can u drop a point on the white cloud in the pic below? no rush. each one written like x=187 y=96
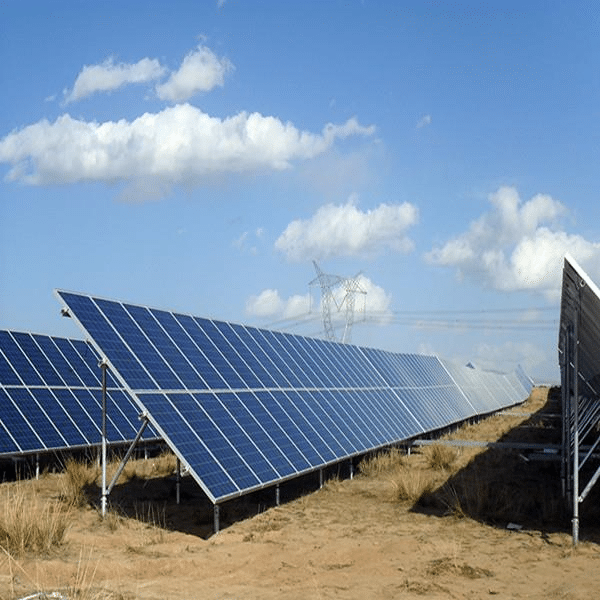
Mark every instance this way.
x=269 y=304
x=371 y=302
x=180 y=144
x=110 y=76
x=508 y=356
x=516 y=245
x=200 y=71
x=424 y=121
x=376 y=301
x=347 y=231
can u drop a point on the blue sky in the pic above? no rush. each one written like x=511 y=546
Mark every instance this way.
x=198 y=156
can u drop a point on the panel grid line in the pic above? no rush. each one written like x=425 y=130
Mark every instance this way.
x=275 y=405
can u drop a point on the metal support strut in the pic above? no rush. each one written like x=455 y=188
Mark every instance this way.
x=127 y=455
x=103 y=366
x=575 y=520
x=216 y=518
x=106 y=489
x=178 y=482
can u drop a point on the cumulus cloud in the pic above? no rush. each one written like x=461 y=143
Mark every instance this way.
x=516 y=245
x=377 y=301
x=269 y=304
x=180 y=144
x=201 y=71
x=345 y=230
x=110 y=76
x=371 y=301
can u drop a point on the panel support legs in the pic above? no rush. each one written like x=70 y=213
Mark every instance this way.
x=351 y=469
x=178 y=481
x=575 y=520
x=216 y=523
x=320 y=478
x=103 y=366
x=277 y=495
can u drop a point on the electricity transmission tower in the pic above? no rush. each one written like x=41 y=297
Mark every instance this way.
x=330 y=285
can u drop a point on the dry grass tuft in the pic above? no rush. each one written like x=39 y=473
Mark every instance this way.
x=382 y=462
x=446 y=565
x=155 y=517
x=29 y=525
x=409 y=484
x=441 y=457
x=84 y=586
x=162 y=465
x=76 y=479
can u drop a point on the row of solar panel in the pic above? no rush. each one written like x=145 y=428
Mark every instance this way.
x=579 y=340
x=243 y=440
x=244 y=407
x=175 y=352
x=51 y=396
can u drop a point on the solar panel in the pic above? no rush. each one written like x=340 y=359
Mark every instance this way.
x=579 y=340
x=244 y=408
x=51 y=396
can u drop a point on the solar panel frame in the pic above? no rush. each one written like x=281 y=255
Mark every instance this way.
x=578 y=342
x=244 y=408
x=51 y=397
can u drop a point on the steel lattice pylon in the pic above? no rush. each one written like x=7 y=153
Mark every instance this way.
x=329 y=285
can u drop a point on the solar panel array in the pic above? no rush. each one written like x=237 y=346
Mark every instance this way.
x=579 y=340
x=244 y=408
x=51 y=396
x=488 y=391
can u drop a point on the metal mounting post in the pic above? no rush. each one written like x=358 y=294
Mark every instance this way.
x=277 y=496
x=216 y=518
x=103 y=366
x=178 y=482
x=575 y=520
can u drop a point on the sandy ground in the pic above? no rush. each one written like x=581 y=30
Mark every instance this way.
x=352 y=539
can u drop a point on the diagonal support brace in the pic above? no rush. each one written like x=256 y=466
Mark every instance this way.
x=128 y=454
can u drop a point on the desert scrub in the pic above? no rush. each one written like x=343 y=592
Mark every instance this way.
x=410 y=484
x=76 y=478
x=441 y=457
x=27 y=524
x=382 y=462
x=163 y=465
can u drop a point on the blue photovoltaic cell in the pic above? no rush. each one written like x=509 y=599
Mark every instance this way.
x=17 y=359
x=244 y=407
x=17 y=426
x=7 y=374
x=51 y=396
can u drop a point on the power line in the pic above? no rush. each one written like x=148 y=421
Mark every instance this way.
x=431 y=320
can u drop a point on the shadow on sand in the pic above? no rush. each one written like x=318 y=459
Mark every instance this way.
x=507 y=487
x=154 y=501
